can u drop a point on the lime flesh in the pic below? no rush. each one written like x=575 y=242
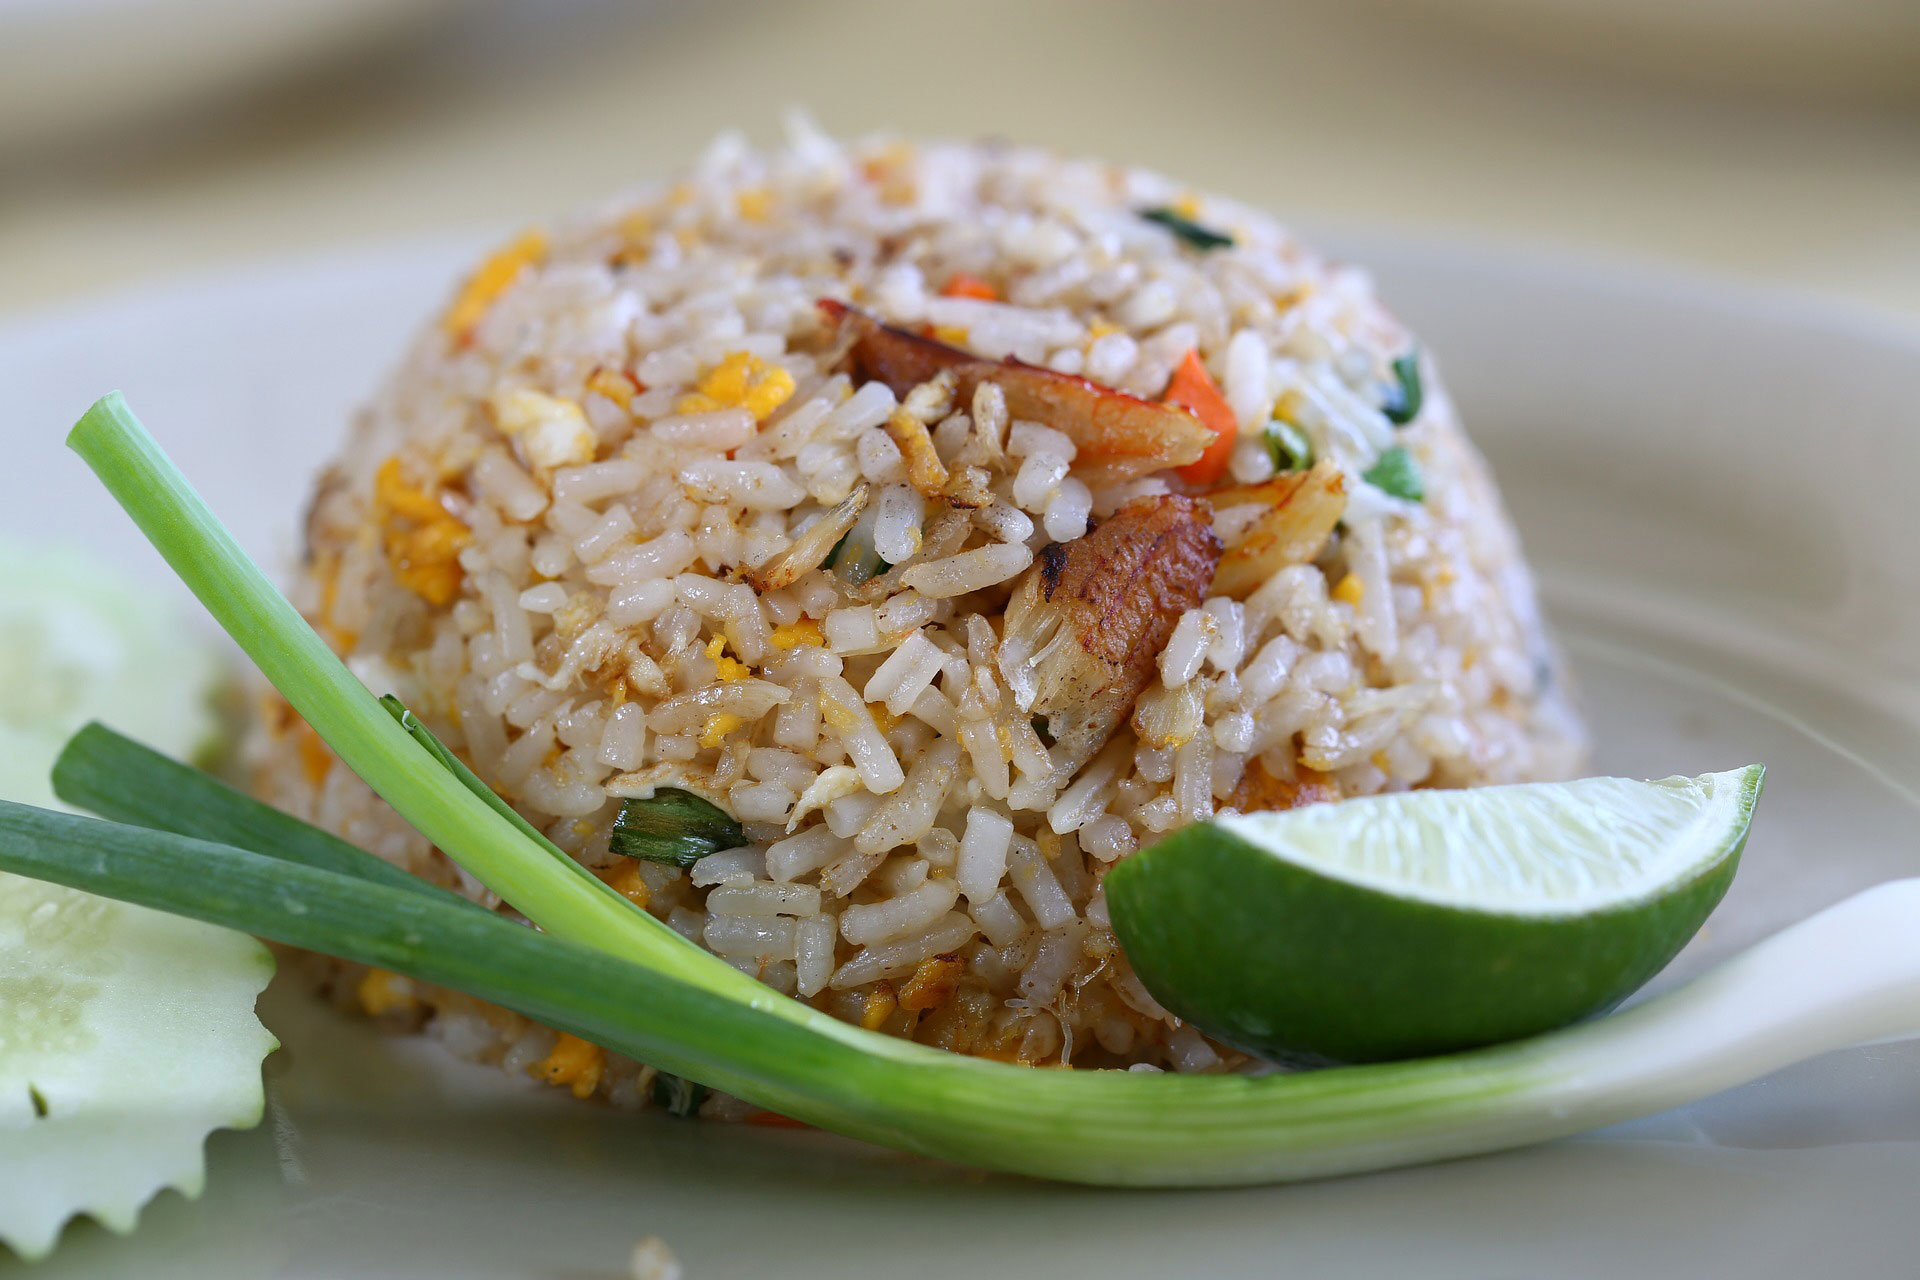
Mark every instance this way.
x=1429 y=921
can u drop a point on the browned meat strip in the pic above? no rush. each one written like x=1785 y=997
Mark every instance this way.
x=1085 y=627
x=1117 y=435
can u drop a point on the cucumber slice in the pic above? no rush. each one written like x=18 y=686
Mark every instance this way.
x=126 y=1035
x=78 y=643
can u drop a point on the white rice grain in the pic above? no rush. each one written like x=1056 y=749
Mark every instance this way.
x=896 y=917
x=1039 y=886
x=847 y=717
x=983 y=853
x=897 y=959
x=762 y=899
x=908 y=670
x=999 y=919
x=720 y=430
x=974 y=570
x=728 y=866
x=813 y=954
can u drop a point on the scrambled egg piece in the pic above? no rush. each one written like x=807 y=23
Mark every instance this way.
x=575 y=1063
x=382 y=992
x=741 y=381
x=553 y=431
x=492 y=279
x=726 y=669
x=793 y=634
x=423 y=539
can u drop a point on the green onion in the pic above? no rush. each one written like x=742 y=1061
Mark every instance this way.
x=442 y=806
x=857 y=560
x=1291 y=449
x=116 y=777
x=675 y=827
x=1191 y=233
x=1404 y=400
x=1396 y=472
x=1113 y=1127
x=1106 y=1127
x=676 y=1095
x=598 y=968
x=471 y=781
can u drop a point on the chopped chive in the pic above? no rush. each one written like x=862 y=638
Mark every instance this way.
x=1396 y=472
x=1403 y=402
x=1291 y=449
x=678 y=1096
x=673 y=826
x=1189 y=231
x=855 y=559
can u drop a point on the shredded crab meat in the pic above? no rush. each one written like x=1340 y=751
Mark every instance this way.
x=1299 y=513
x=1085 y=625
x=811 y=549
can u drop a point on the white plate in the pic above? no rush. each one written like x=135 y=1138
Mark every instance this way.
x=1719 y=491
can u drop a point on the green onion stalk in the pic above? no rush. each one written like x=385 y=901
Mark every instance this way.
x=600 y=968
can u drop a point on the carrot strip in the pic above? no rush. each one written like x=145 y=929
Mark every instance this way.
x=1193 y=390
x=965 y=286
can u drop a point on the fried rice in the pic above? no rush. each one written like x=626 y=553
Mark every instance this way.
x=954 y=519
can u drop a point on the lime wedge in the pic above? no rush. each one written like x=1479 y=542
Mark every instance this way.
x=1428 y=921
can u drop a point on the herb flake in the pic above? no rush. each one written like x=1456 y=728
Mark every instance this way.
x=1403 y=402
x=1191 y=233
x=1396 y=472
x=678 y=1096
x=673 y=826
x=1288 y=444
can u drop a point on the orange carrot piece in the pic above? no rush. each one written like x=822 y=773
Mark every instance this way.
x=965 y=286
x=1193 y=390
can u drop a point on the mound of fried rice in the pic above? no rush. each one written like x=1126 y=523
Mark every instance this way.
x=881 y=496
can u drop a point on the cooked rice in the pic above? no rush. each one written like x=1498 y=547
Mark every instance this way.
x=572 y=533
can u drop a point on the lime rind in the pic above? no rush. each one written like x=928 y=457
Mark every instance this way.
x=1314 y=935
x=1533 y=849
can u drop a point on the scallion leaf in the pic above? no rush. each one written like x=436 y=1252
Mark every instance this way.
x=1404 y=400
x=1291 y=449
x=1190 y=232
x=1396 y=472
x=676 y=1095
x=471 y=781
x=118 y=778
x=1110 y=1127
x=440 y=804
x=854 y=558
x=600 y=969
x=673 y=826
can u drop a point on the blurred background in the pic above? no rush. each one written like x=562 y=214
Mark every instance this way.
x=1773 y=141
